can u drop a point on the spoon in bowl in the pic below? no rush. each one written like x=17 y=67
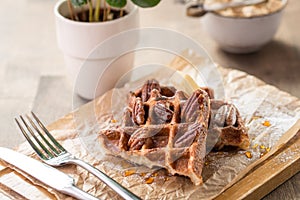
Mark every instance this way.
x=200 y=9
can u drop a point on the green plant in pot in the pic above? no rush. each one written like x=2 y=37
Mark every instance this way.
x=82 y=26
x=103 y=10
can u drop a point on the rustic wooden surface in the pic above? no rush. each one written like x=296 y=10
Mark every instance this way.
x=270 y=173
x=32 y=73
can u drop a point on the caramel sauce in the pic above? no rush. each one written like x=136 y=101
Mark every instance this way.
x=267 y=123
x=129 y=172
x=248 y=154
x=149 y=180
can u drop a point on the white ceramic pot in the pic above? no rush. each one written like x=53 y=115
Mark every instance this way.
x=79 y=41
x=241 y=34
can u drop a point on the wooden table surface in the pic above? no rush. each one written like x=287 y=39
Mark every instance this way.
x=32 y=70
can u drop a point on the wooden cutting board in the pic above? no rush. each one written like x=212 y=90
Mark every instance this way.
x=268 y=175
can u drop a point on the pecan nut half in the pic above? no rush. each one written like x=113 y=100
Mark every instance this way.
x=148 y=87
x=209 y=91
x=226 y=115
x=185 y=139
x=162 y=112
x=140 y=139
x=138 y=112
x=168 y=91
x=196 y=108
x=220 y=116
x=127 y=117
x=231 y=116
x=112 y=134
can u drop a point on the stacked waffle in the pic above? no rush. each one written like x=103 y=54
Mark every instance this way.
x=163 y=127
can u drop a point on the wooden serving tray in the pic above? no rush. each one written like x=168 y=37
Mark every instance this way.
x=268 y=175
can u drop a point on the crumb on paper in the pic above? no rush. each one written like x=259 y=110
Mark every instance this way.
x=267 y=123
x=264 y=150
x=155 y=174
x=262 y=147
x=129 y=172
x=149 y=180
x=142 y=174
x=248 y=154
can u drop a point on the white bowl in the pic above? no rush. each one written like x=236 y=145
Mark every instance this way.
x=242 y=34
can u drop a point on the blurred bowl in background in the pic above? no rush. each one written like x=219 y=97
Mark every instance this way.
x=240 y=34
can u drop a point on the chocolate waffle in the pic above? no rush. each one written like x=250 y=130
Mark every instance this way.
x=226 y=126
x=163 y=127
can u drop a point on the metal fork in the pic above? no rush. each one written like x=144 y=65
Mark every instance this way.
x=52 y=153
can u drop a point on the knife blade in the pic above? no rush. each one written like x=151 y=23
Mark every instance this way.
x=44 y=173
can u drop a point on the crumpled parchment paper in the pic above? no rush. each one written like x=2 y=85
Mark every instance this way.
x=268 y=112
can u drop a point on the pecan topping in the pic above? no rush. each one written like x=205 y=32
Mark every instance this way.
x=162 y=112
x=127 y=118
x=231 y=116
x=123 y=141
x=138 y=112
x=148 y=143
x=112 y=134
x=155 y=94
x=226 y=116
x=196 y=108
x=186 y=139
x=137 y=144
x=148 y=87
x=131 y=100
x=139 y=139
x=209 y=91
x=220 y=116
x=168 y=91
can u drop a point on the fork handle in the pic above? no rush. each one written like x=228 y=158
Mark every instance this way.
x=122 y=191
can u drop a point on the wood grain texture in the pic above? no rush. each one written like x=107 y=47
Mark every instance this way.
x=55 y=98
x=268 y=175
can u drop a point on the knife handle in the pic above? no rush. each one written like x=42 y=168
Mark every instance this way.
x=122 y=191
x=78 y=193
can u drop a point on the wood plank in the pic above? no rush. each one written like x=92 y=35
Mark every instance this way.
x=269 y=175
x=55 y=98
x=286 y=191
x=10 y=108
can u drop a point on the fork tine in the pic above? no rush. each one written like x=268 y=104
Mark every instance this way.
x=36 y=139
x=36 y=149
x=48 y=133
x=57 y=152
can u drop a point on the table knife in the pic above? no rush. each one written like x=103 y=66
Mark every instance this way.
x=44 y=173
